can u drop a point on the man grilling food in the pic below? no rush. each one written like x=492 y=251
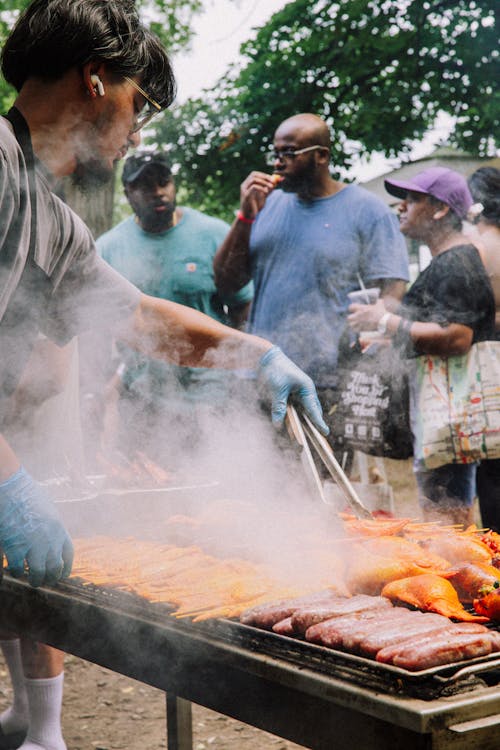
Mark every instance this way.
x=89 y=76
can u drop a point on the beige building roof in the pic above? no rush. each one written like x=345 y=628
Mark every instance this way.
x=443 y=156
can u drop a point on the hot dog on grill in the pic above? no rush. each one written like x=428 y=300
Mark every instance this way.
x=267 y=615
x=447 y=648
x=386 y=655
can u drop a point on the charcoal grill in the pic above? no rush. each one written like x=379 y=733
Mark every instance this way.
x=313 y=696
x=316 y=697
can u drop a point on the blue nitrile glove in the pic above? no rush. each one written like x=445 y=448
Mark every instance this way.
x=283 y=378
x=31 y=530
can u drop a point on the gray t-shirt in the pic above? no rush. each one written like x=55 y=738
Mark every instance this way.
x=66 y=288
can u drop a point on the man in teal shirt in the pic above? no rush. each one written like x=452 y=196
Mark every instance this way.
x=167 y=251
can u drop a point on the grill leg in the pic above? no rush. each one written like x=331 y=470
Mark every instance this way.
x=179 y=723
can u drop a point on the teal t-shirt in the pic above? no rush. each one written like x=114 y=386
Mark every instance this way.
x=174 y=265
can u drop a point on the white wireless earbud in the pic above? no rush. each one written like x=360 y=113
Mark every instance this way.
x=96 y=81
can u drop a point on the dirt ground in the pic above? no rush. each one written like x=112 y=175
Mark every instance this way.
x=106 y=711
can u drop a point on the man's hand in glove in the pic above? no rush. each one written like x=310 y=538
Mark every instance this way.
x=282 y=378
x=31 y=531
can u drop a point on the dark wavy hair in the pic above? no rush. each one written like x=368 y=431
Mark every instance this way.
x=53 y=36
x=484 y=185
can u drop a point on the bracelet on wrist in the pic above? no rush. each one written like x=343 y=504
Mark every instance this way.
x=404 y=326
x=241 y=217
x=382 y=323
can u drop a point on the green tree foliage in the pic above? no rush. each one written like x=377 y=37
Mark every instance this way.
x=379 y=71
x=172 y=21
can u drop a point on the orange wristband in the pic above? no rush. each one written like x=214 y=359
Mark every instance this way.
x=243 y=218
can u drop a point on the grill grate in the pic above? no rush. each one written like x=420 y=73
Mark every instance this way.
x=450 y=679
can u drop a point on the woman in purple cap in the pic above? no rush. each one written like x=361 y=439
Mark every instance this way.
x=449 y=307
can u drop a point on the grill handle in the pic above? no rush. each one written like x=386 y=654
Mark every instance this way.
x=472 y=669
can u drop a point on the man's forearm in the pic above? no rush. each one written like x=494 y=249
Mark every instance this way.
x=231 y=261
x=179 y=334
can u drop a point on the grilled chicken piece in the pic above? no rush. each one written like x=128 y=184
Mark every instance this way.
x=368 y=573
x=489 y=604
x=469 y=579
x=397 y=547
x=430 y=593
x=446 y=649
x=458 y=547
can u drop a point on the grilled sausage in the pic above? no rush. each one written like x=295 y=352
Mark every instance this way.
x=446 y=649
x=306 y=616
x=386 y=655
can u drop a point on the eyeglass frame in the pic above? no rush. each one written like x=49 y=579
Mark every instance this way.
x=280 y=154
x=140 y=123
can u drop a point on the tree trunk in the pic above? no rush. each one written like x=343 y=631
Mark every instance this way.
x=95 y=207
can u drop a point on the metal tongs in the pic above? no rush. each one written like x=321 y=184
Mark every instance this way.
x=303 y=431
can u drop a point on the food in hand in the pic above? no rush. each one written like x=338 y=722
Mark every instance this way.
x=277 y=178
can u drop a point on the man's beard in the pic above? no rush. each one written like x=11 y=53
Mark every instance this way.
x=301 y=183
x=91 y=175
x=152 y=221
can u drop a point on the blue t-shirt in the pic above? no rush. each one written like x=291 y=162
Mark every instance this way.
x=305 y=258
x=176 y=265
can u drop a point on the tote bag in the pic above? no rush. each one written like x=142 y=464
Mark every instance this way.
x=455 y=404
x=372 y=413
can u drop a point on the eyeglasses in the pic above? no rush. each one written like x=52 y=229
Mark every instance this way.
x=148 y=111
x=288 y=154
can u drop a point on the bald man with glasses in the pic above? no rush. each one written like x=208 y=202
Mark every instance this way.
x=308 y=240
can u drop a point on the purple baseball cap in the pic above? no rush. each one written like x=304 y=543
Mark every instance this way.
x=444 y=184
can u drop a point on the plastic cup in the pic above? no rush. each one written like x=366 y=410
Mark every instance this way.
x=364 y=296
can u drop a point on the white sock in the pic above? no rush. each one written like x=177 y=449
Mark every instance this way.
x=45 y=701
x=15 y=718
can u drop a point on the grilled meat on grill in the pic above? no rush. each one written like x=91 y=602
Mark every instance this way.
x=468 y=580
x=398 y=548
x=306 y=616
x=400 y=645
x=417 y=624
x=284 y=627
x=368 y=573
x=458 y=547
x=430 y=593
x=489 y=603
x=266 y=615
x=447 y=648
x=341 y=632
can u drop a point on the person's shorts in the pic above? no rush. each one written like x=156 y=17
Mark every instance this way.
x=449 y=485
